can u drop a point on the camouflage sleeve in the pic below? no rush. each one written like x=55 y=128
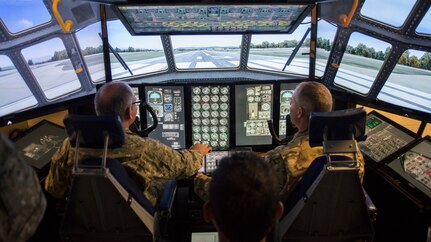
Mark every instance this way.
x=202 y=186
x=58 y=179
x=22 y=203
x=176 y=164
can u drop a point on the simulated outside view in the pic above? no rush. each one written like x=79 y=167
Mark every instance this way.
x=408 y=85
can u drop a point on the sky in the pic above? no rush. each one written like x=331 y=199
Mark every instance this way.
x=22 y=14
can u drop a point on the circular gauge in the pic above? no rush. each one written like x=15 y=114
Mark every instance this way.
x=196 y=142
x=224 y=90
x=167 y=98
x=284 y=109
x=214 y=143
x=266 y=106
x=205 y=114
x=266 y=98
x=205 y=142
x=214 y=121
x=196 y=121
x=250 y=99
x=196 y=129
x=223 y=114
x=259 y=124
x=224 y=106
x=196 y=136
x=206 y=98
x=223 y=129
x=214 y=129
x=223 y=143
x=206 y=136
x=177 y=108
x=214 y=98
x=196 y=106
x=252 y=124
x=205 y=129
x=205 y=121
x=215 y=90
x=196 y=98
x=223 y=121
x=214 y=114
x=206 y=90
x=214 y=136
x=169 y=117
x=196 y=90
x=223 y=136
x=196 y=114
x=214 y=106
x=250 y=92
x=206 y=106
x=224 y=98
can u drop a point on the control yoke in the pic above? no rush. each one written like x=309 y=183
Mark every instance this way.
x=144 y=133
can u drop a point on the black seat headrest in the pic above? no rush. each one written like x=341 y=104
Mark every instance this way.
x=340 y=125
x=92 y=130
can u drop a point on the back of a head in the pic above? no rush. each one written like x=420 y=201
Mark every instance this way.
x=314 y=97
x=244 y=197
x=113 y=98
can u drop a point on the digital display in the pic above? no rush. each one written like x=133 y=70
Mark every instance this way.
x=188 y=19
x=253 y=107
x=383 y=138
x=210 y=116
x=286 y=92
x=415 y=166
x=168 y=104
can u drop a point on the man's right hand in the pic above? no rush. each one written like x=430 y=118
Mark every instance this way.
x=202 y=148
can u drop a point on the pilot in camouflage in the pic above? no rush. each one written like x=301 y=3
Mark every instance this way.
x=22 y=203
x=149 y=162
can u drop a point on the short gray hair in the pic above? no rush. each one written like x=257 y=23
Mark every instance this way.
x=314 y=97
x=113 y=98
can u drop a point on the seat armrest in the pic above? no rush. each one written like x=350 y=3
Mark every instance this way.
x=372 y=210
x=167 y=198
x=163 y=211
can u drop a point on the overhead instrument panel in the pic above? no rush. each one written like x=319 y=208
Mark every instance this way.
x=168 y=104
x=210 y=115
x=286 y=92
x=384 y=137
x=415 y=166
x=253 y=107
x=190 y=19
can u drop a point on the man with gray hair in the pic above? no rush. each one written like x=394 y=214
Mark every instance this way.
x=148 y=161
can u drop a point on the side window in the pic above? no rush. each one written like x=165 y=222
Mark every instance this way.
x=395 y=11
x=22 y=15
x=92 y=49
x=424 y=26
x=362 y=60
x=409 y=84
x=52 y=68
x=325 y=39
x=15 y=94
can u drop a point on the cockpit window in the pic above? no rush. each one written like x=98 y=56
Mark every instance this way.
x=409 y=84
x=52 y=68
x=92 y=50
x=22 y=15
x=282 y=53
x=326 y=33
x=362 y=60
x=15 y=94
x=134 y=55
x=206 y=51
x=424 y=26
x=392 y=12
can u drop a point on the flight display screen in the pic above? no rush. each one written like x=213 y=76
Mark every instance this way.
x=286 y=92
x=383 y=137
x=168 y=104
x=253 y=107
x=186 y=19
x=210 y=116
x=415 y=166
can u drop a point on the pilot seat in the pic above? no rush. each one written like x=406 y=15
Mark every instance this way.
x=104 y=203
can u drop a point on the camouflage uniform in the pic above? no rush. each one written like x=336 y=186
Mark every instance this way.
x=22 y=203
x=149 y=163
x=290 y=162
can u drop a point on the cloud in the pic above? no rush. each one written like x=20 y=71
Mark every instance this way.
x=26 y=23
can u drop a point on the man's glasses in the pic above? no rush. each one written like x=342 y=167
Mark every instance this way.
x=137 y=102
